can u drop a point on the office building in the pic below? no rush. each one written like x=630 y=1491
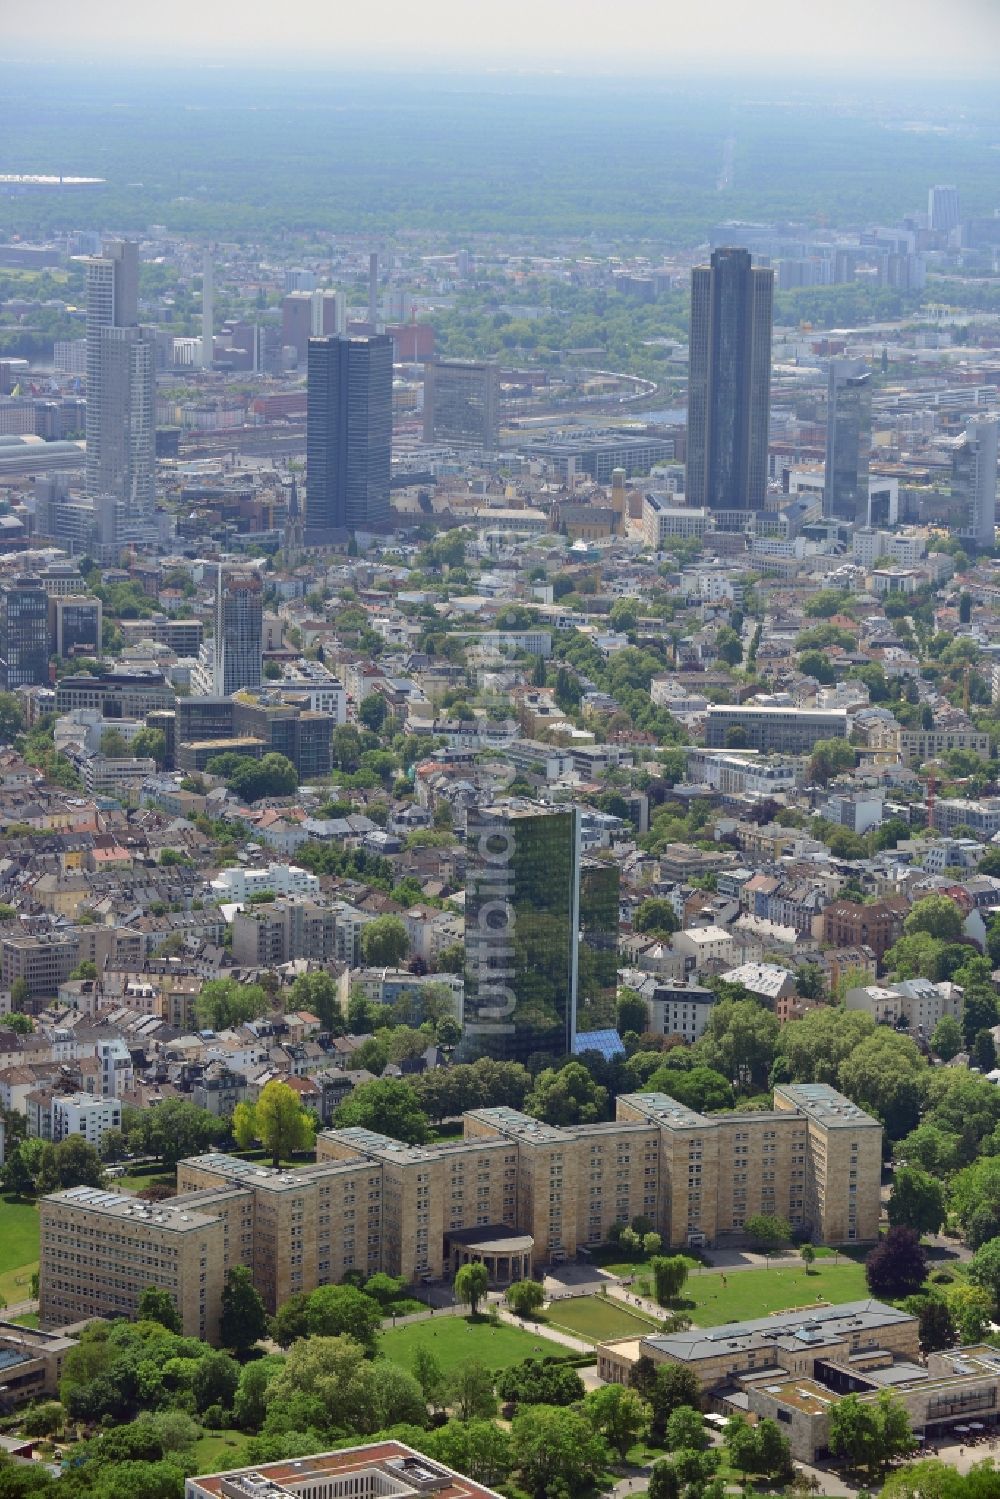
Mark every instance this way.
x=239 y=629
x=75 y=625
x=24 y=633
x=121 y=387
x=729 y=381
x=974 y=482
x=385 y=1470
x=942 y=209
x=118 y=694
x=522 y=921
x=597 y=957
x=772 y=730
x=848 y=441
x=348 y=435
x=462 y=403
x=514 y=1192
x=101 y=1249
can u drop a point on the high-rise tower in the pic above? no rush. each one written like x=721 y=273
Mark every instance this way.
x=239 y=628
x=121 y=385
x=974 y=481
x=848 y=441
x=348 y=435
x=729 y=383
x=942 y=208
x=207 y=312
x=522 y=924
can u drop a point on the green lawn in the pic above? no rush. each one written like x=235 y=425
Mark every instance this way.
x=138 y=1178
x=597 y=1318
x=215 y=1451
x=453 y=1340
x=18 y=1248
x=757 y=1293
x=26 y=1319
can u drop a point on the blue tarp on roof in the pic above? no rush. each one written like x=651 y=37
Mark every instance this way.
x=608 y=1043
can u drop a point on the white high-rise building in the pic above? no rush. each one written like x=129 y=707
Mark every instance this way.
x=233 y=657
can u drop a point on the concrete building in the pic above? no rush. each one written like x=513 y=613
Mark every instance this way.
x=462 y=403
x=848 y=441
x=513 y=1192
x=348 y=435
x=846 y=923
x=943 y=208
x=281 y=879
x=680 y=1009
x=24 y=633
x=279 y=931
x=768 y=729
x=100 y=1250
x=382 y=1470
x=914 y=1005
x=661 y=519
x=75 y=625
x=232 y=659
x=729 y=383
x=42 y=962
x=80 y=1115
x=974 y=482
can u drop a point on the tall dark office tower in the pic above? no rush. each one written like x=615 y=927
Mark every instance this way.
x=121 y=384
x=729 y=383
x=942 y=208
x=522 y=930
x=597 y=962
x=348 y=435
x=24 y=633
x=848 y=441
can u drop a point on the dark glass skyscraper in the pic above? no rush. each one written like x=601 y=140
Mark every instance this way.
x=522 y=921
x=24 y=633
x=848 y=441
x=729 y=383
x=597 y=963
x=348 y=435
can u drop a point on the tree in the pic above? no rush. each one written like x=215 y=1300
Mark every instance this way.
x=632 y=1013
x=20 y=993
x=740 y=1442
x=479 y=1449
x=471 y=1283
x=336 y=1311
x=870 y=1435
x=672 y=1385
x=567 y=1095
x=74 y=1162
x=669 y=1274
x=740 y=1040
x=971 y=1309
x=150 y=744
x=555 y=1451
x=946 y=1039
x=389 y=1105
x=537 y=1381
x=884 y=1075
x=619 y=1414
x=685 y=1431
x=223 y=1003
x=663 y=1480
x=807 y=1255
x=11 y=717
x=372 y=711
x=429 y=1375
x=766 y=1231
x=984 y=1268
x=281 y=1124
x=811 y=1050
x=526 y=1297
x=829 y=757
x=384 y=942
x=470 y=1390
x=244 y=1319
x=317 y=993
x=937 y=1326
x=215 y=1382
x=936 y=915
x=917 y=1200
x=157 y=1305
x=250 y=1400
x=699 y=1088
x=656 y=916
x=897 y=1266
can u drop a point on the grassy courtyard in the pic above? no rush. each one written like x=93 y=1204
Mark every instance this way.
x=453 y=1340
x=215 y=1451
x=18 y=1248
x=736 y=1295
x=597 y=1318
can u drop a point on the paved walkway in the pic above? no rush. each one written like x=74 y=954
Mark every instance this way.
x=547 y=1334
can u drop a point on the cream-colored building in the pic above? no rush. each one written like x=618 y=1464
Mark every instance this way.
x=514 y=1192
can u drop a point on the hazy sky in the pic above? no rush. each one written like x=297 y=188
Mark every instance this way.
x=844 y=36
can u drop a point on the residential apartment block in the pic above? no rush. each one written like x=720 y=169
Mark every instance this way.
x=781 y=730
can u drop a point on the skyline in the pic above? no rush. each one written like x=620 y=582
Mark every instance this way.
x=892 y=39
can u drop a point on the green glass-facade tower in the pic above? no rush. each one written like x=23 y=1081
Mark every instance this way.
x=521 y=921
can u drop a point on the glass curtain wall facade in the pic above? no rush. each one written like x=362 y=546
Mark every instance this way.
x=848 y=441
x=522 y=922
x=597 y=963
